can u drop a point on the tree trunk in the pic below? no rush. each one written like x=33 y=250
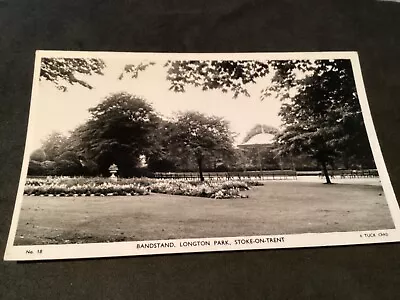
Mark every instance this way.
x=325 y=172
x=200 y=164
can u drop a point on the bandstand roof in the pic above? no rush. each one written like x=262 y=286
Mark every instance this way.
x=259 y=139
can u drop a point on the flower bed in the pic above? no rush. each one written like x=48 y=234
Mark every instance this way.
x=216 y=190
x=73 y=181
x=86 y=189
x=79 y=186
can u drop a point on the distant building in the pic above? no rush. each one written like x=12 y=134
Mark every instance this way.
x=265 y=139
x=257 y=149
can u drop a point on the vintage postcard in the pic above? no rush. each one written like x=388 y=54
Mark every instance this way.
x=154 y=153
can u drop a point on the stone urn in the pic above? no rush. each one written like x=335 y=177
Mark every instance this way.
x=113 y=171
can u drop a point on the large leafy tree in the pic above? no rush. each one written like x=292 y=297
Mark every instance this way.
x=200 y=137
x=323 y=117
x=55 y=157
x=54 y=145
x=162 y=159
x=63 y=71
x=120 y=130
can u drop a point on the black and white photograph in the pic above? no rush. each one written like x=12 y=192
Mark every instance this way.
x=155 y=153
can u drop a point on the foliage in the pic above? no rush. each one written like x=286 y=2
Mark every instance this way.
x=58 y=167
x=198 y=137
x=226 y=75
x=55 y=157
x=120 y=130
x=323 y=117
x=62 y=71
x=38 y=155
x=35 y=168
x=162 y=159
x=134 y=70
x=54 y=145
x=232 y=75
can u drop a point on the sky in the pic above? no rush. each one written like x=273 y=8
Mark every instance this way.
x=54 y=110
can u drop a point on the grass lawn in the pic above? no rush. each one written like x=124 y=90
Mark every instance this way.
x=284 y=207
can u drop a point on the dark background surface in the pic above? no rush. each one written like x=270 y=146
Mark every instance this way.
x=370 y=27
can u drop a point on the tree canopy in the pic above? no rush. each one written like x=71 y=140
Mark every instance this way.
x=55 y=157
x=199 y=137
x=226 y=75
x=120 y=130
x=62 y=71
x=324 y=115
x=162 y=159
x=134 y=69
x=54 y=145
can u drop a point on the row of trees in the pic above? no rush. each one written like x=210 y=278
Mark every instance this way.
x=124 y=129
x=320 y=110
